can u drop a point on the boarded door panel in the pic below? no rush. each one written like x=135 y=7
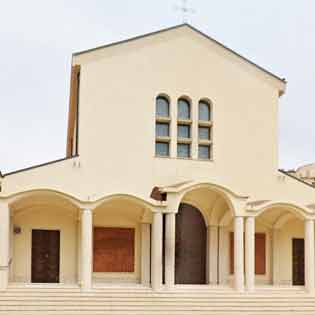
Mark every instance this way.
x=114 y=249
x=298 y=261
x=260 y=253
x=45 y=256
x=191 y=245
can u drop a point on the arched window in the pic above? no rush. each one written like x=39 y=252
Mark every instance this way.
x=162 y=126
x=162 y=107
x=204 y=131
x=183 y=128
x=204 y=111
x=183 y=109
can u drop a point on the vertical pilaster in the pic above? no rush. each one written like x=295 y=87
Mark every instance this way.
x=86 y=249
x=170 y=250
x=145 y=253
x=213 y=255
x=156 y=263
x=250 y=253
x=79 y=247
x=239 y=253
x=4 y=245
x=11 y=254
x=309 y=255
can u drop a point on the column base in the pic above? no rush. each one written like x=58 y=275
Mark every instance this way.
x=4 y=279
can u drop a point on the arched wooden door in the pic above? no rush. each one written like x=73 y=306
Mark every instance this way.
x=191 y=246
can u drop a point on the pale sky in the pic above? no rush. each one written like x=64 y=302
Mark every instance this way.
x=37 y=38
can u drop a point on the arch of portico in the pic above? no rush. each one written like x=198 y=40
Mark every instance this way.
x=49 y=211
x=222 y=210
x=289 y=231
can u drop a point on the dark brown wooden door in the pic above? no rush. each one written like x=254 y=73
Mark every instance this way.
x=298 y=261
x=45 y=256
x=191 y=246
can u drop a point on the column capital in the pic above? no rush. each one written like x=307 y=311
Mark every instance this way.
x=86 y=209
x=170 y=213
x=309 y=220
x=4 y=203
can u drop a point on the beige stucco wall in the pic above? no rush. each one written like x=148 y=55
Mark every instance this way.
x=47 y=218
x=283 y=263
x=293 y=229
x=117 y=123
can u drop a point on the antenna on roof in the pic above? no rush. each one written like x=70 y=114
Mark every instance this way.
x=185 y=10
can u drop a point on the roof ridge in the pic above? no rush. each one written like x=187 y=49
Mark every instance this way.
x=283 y=80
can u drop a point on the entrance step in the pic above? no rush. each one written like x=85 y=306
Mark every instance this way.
x=140 y=301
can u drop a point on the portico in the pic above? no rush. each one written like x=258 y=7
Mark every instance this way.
x=154 y=243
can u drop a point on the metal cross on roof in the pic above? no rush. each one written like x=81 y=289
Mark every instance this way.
x=185 y=10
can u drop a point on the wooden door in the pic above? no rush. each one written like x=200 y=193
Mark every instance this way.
x=298 y=261
x=45 y=256
x=191 y=246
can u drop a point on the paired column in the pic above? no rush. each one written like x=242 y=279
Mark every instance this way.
x=309 y=255
x=156 y=264
x=4 y=245
x=250 y=253
x=276 y=257
x=239 y=253
x=145 y=253
x=170 y=224
x=86 y=249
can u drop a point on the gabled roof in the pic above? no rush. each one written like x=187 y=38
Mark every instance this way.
x=176 y=27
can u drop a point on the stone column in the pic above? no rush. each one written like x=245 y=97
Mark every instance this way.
x=170 y=250
x=213 y=255
x=4 y=245
x=275 y=257
x=11 y=267
x=223 y=263
x=145 y=253
x=250 y=253
x=86 y=249
x=239 y=253
x=309 y=255
x=156 y=263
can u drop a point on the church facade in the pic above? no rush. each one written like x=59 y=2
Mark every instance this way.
x=170 y=178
